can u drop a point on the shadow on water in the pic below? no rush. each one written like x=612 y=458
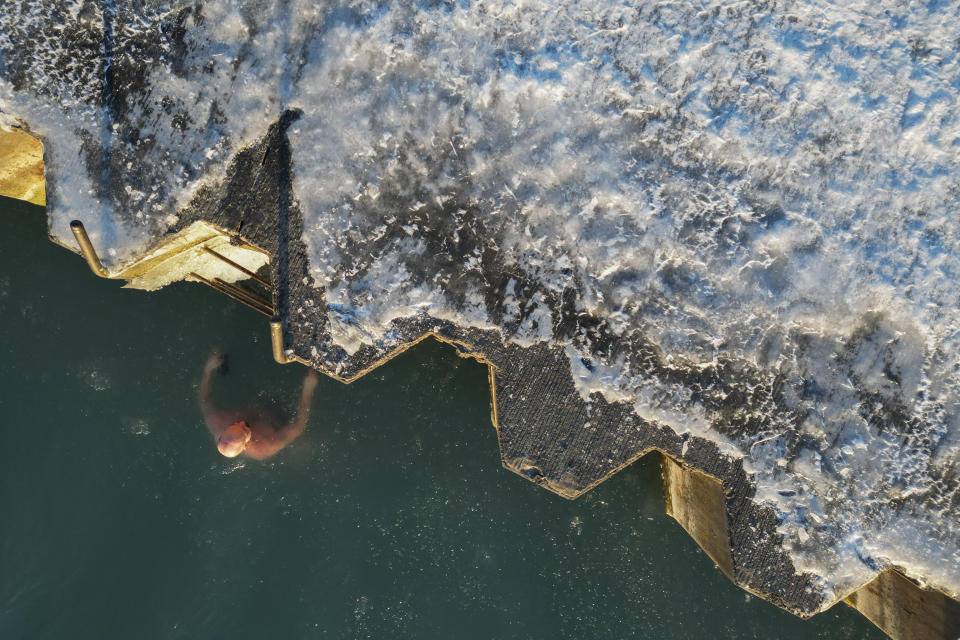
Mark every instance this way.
x=390 y=518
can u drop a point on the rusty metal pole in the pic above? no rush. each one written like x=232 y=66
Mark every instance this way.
x=238 y=293
x=276 y=340
x=249 y=301
x=237 y=266
x=86 y=248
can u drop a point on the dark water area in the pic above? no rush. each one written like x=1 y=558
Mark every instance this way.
x=390 y=518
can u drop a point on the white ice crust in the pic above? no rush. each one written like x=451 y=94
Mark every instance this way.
x=776 y=183
x=635 y=149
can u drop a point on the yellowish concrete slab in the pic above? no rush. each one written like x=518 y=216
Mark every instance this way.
x=905 y=610
x=696 y=501
x=21 y=167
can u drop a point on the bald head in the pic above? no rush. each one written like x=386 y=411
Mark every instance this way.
x=234 y=439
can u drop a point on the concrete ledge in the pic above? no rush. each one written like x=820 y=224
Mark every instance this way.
x=21 y=167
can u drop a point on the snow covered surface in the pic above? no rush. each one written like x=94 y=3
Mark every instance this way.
x=763 y=188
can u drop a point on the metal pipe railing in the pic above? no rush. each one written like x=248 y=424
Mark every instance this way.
x=239 y=267
x=276 y=341
x=86 y=248
x=236 y=293
x=243 y=298
x=243 y=293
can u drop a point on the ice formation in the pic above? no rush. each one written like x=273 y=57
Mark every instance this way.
x=765 y=193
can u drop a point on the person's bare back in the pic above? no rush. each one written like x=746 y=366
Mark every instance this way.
x=251 y=433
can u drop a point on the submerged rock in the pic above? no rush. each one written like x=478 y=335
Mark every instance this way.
x=726 y=232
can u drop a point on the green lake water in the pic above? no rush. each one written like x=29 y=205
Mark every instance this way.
x=390 y=518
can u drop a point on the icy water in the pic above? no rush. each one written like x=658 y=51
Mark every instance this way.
x=390 y=518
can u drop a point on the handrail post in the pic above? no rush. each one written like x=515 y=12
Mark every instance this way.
x=276 y=341
x=86 y=248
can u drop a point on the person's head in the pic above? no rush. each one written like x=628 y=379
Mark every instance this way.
x=234 y=440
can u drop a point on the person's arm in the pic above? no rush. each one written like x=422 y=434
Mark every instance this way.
x=211 y=415
x=259 y=450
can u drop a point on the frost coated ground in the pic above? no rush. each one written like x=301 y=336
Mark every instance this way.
x=764 y=190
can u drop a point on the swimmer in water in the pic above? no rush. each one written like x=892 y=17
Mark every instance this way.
x=252 y=433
